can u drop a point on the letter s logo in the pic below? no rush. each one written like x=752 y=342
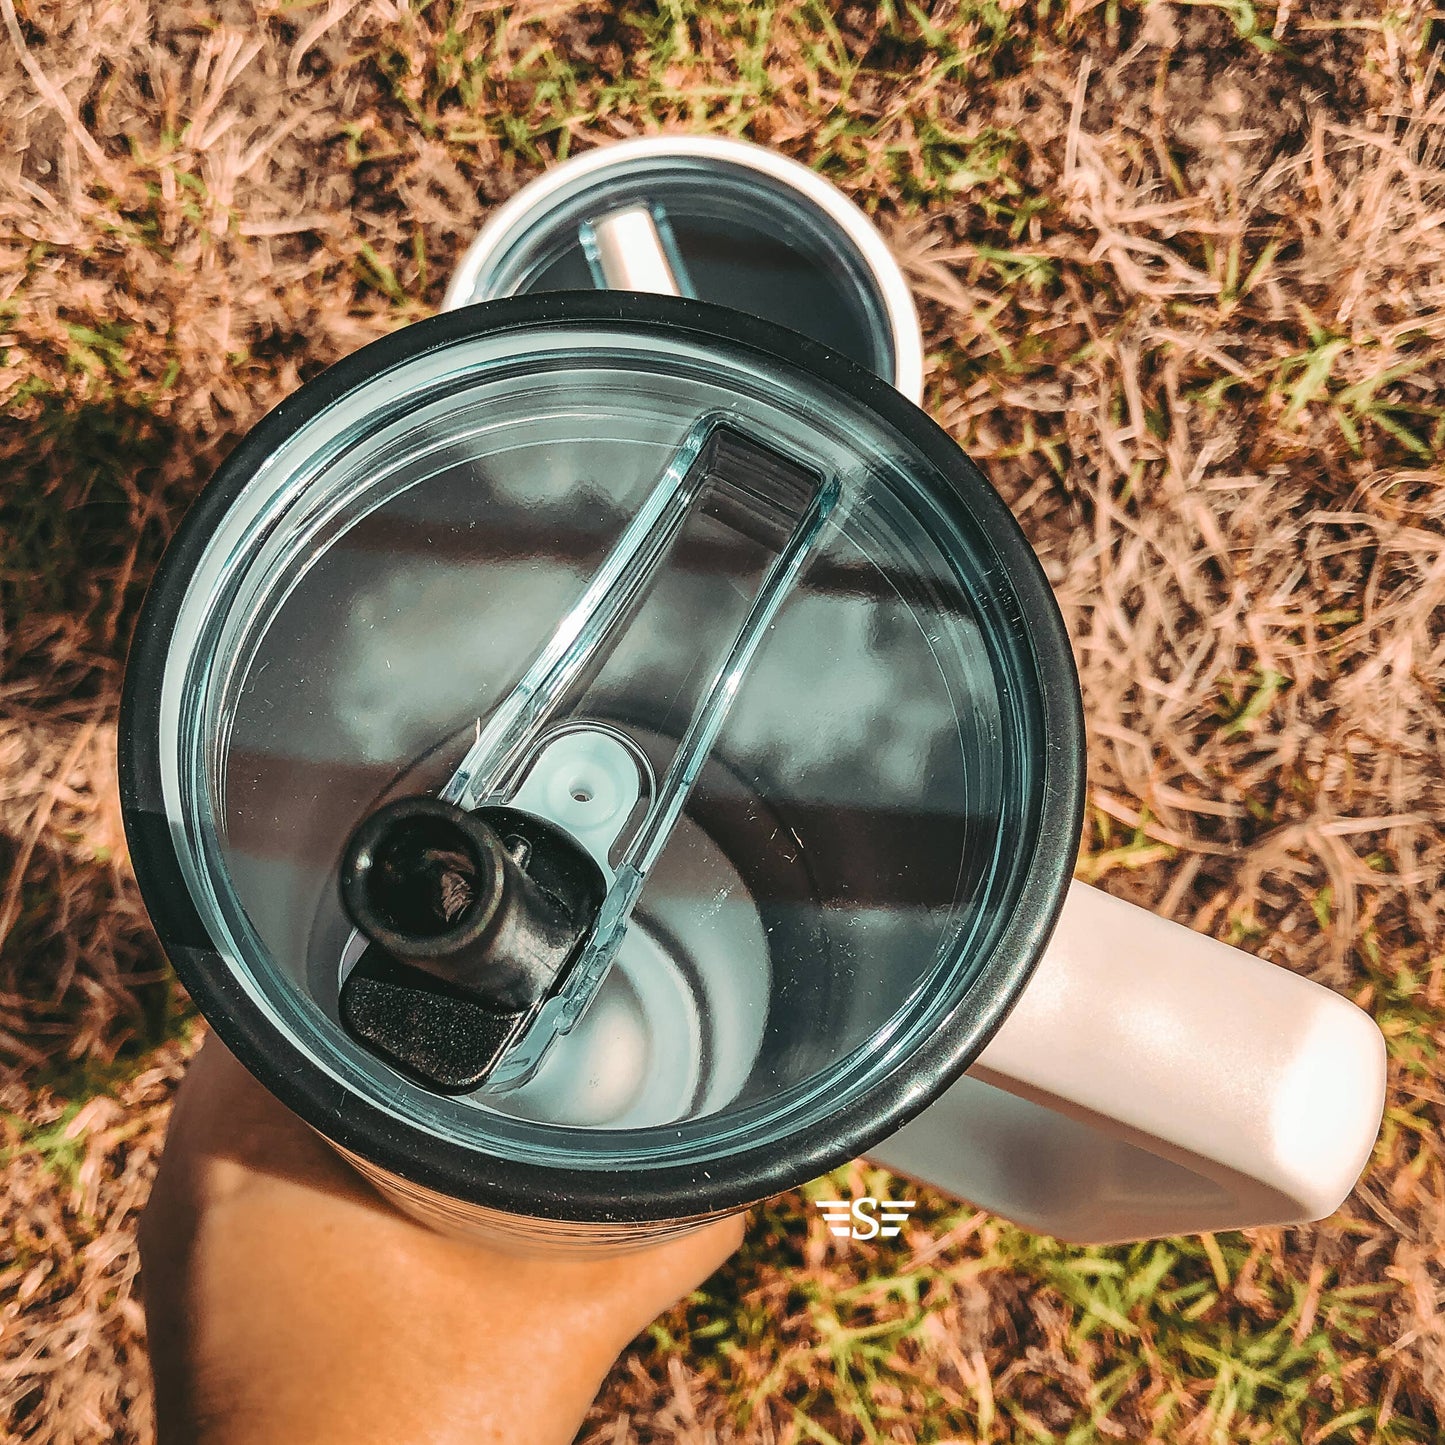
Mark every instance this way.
x=865 y=1226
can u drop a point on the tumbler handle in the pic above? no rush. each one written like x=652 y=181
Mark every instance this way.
x=1153 y=1081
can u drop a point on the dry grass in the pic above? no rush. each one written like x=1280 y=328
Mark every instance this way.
x=1183 y=274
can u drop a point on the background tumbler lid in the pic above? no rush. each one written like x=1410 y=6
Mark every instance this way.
x=713 y=219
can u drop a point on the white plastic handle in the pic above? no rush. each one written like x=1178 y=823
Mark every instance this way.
x=1153 y=1081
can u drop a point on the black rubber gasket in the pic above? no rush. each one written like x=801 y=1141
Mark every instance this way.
x=664 y=1192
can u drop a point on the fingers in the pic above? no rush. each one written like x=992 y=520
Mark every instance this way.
x=230 y=1131
x=280 y=1288
x=689 y=1260
x=233 y=1146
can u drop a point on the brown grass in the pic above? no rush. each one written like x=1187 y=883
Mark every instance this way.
x=1183 y=275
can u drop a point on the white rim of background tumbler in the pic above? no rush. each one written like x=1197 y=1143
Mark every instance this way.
x=524 y=210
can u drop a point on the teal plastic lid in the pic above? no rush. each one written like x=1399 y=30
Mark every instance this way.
x=724 y=608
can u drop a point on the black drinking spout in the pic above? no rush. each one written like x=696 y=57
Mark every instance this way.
x=437 y=889
x=473 y=920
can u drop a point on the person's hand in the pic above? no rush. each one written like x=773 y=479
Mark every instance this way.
x=287 y=1302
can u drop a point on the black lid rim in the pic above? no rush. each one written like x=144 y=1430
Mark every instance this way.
x=662 y=1192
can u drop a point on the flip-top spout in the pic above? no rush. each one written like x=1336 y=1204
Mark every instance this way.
x=515 y=946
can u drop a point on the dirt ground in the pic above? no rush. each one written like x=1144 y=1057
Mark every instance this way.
x=1182 y=271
